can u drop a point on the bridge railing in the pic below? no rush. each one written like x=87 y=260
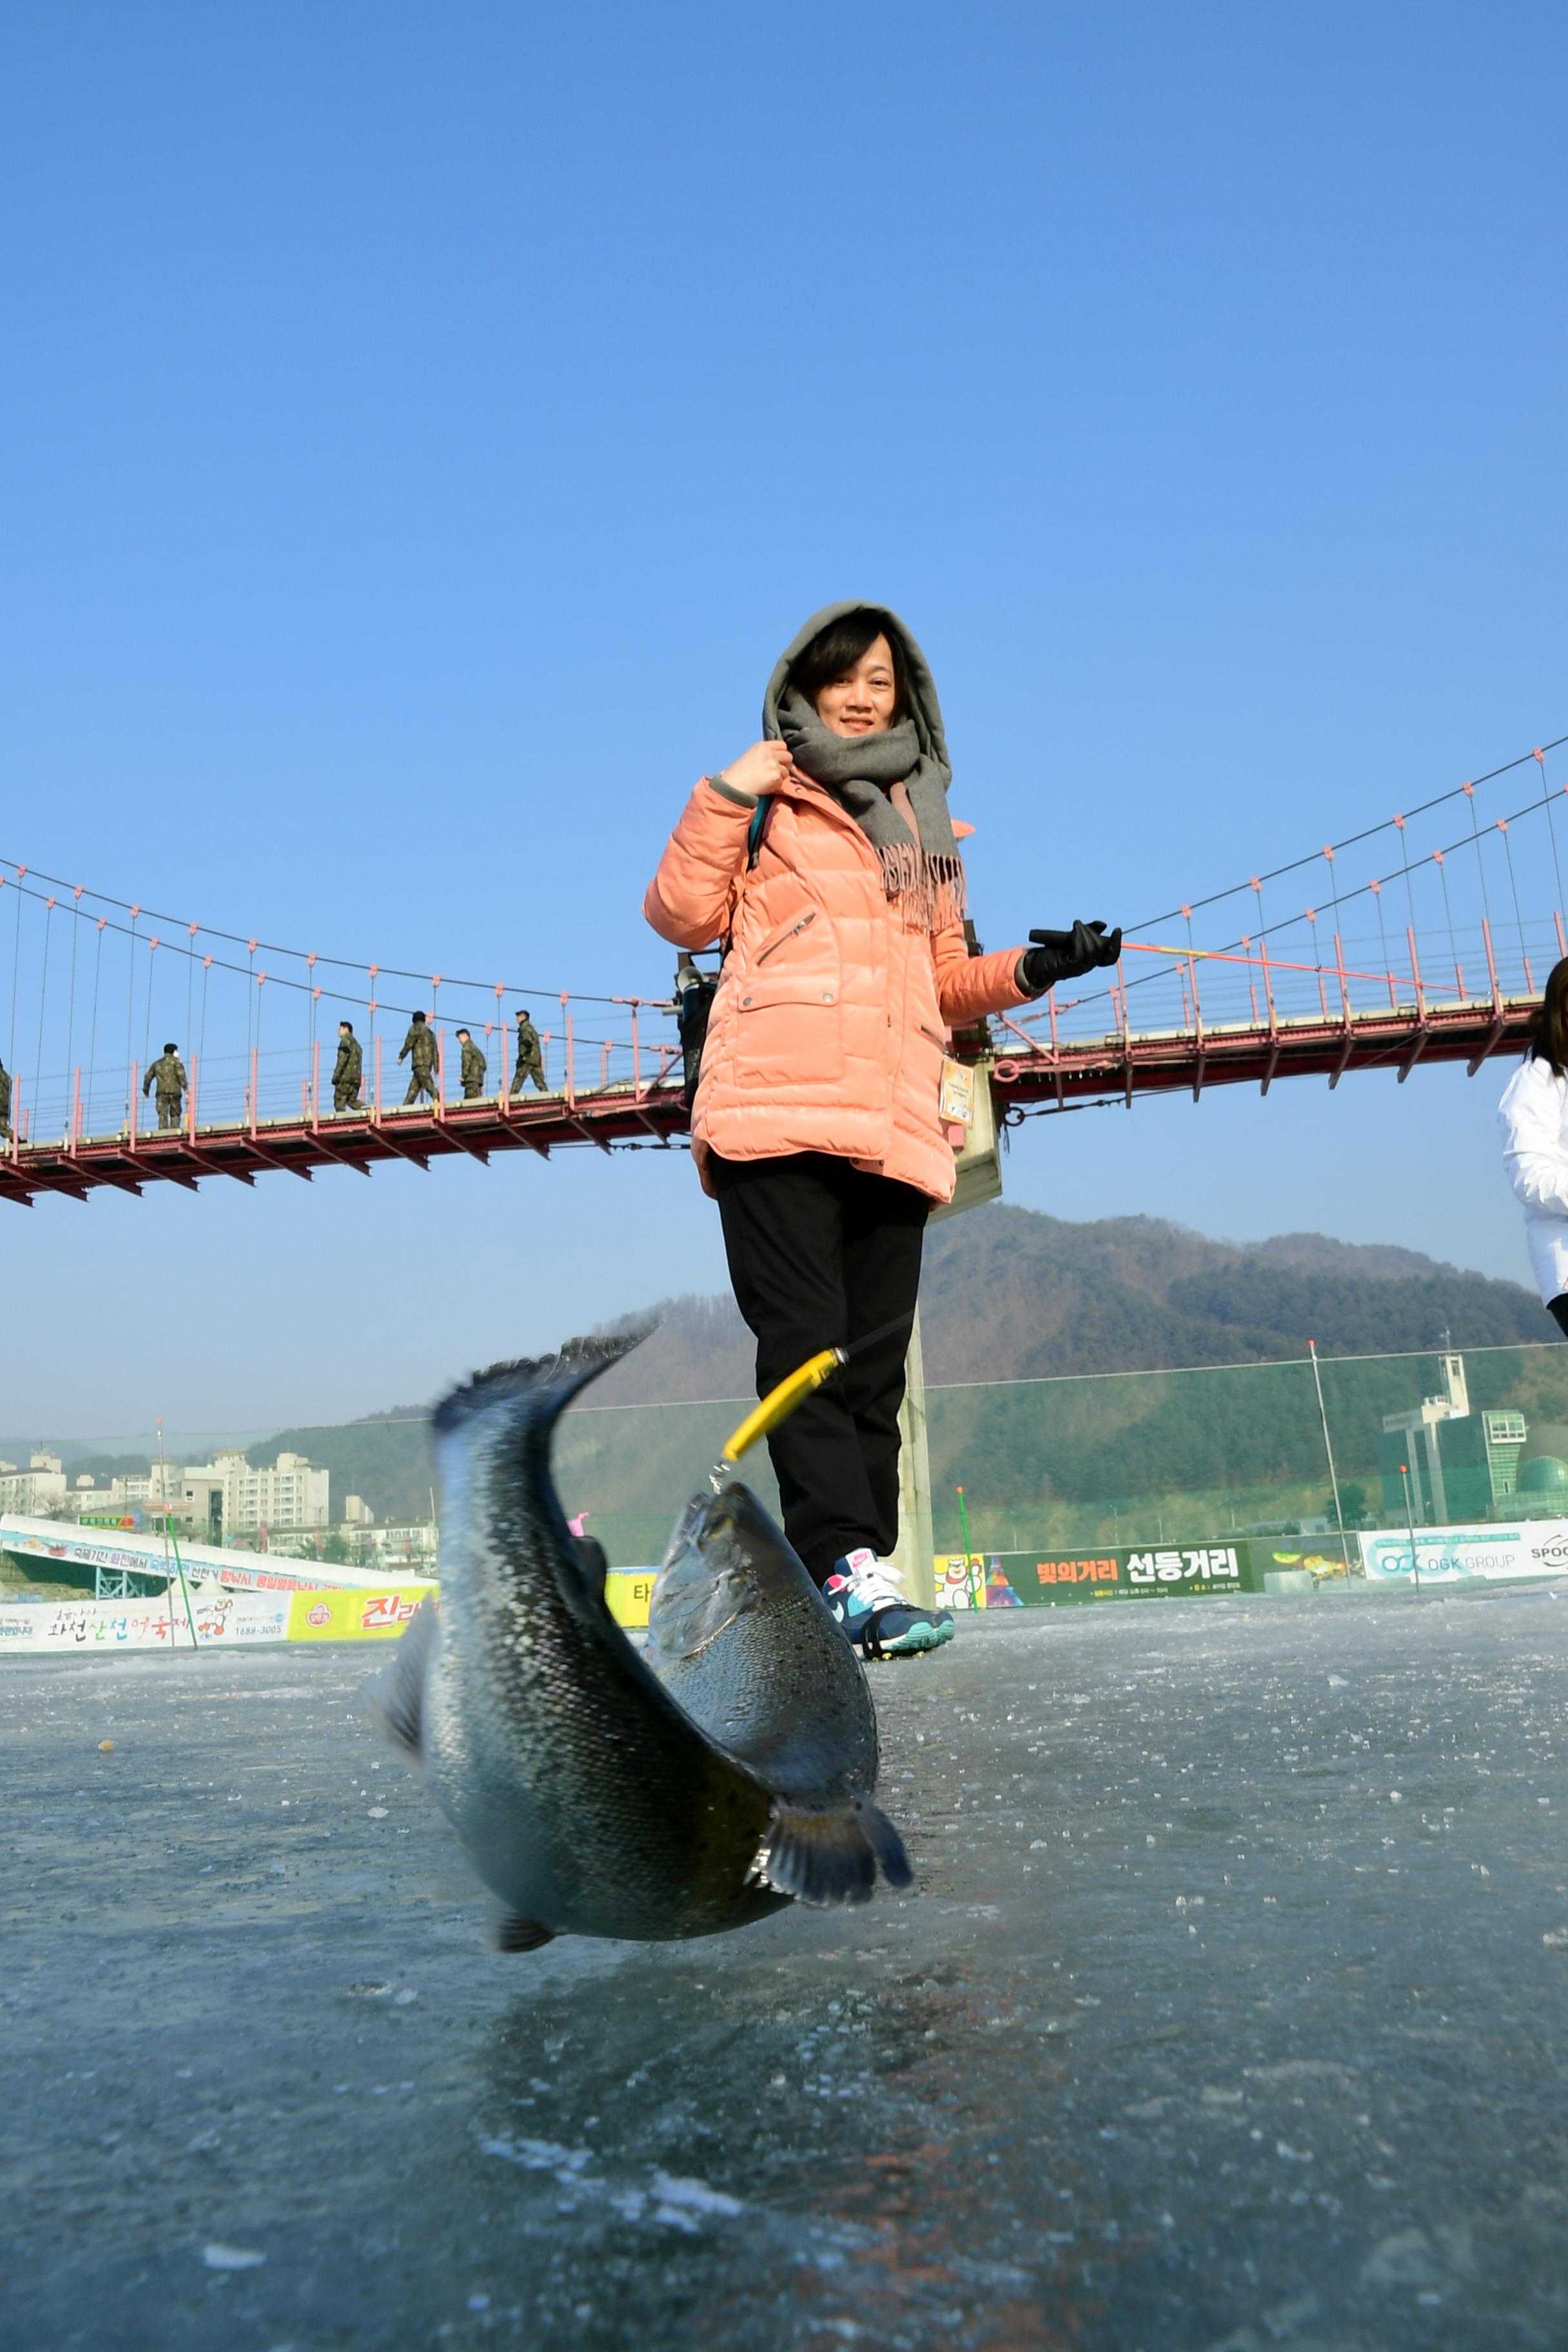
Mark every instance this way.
x=586 y=1046
x=1454 y=913
x=1161 y=989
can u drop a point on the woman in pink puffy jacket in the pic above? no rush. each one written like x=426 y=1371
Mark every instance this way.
x=817 y=1122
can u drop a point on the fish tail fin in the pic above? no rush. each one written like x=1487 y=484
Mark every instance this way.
x=829 y=1854
x=398 y=1692
x=552 y=1381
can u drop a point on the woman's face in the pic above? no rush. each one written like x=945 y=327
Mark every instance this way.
x=862 y=701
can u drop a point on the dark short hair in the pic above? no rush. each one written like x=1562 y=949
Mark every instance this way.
x=348 y=1026
x=1549 y=1022
x=836 y=649
x=462 y=1033
x=419 y=1016
x=523 y=1012
x=170 y=1047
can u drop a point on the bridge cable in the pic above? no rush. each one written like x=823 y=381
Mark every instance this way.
x=92 y=1042
x=339 y=963
x=1368 y=833
x=43 y=1000
x=1551 y=822
x=129 y=999
x=1340 y=898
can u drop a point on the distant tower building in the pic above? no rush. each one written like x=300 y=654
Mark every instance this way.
x=1462 y=1464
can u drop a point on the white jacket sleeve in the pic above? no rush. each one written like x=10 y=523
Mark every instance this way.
x=1531 y=1117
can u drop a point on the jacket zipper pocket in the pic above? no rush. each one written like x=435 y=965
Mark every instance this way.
x=932 y=1035
x=809 y=916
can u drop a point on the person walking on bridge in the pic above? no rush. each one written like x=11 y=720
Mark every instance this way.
x=530 y=1056
x=419 y=1049
x=825 y=862
x=167 y=1074
x=5 y=1100
x=348 y=1070
x=474 y=1067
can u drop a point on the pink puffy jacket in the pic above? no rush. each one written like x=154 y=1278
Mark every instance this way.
x=829 y=1028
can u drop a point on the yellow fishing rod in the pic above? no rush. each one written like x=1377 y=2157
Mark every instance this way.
x=781 y=1401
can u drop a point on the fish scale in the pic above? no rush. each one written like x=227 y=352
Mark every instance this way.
x=586 y=1797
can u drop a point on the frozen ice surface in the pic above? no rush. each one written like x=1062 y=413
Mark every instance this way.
x=1194 y=2041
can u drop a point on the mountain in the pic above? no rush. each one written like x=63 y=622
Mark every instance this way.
x=1013 y=1294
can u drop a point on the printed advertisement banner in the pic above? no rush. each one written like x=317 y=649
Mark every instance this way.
x=627 y=1590
x=1027 y=1580
x=1448 y=1555
x=231 y=1620
x=354 y=1616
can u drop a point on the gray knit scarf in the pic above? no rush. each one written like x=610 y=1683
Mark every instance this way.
x=922 y=869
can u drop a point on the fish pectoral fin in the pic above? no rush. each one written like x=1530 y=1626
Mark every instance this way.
x=689 y=1606
x=516 y=1934
x=830 y=1854
x=887 y=1845
x=398 y=1691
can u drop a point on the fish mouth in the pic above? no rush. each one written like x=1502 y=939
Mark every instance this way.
x=706 y=1520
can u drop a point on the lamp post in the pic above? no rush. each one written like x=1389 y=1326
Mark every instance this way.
x=1410 y=1523
x=968 y=1555
x=1327 y=1449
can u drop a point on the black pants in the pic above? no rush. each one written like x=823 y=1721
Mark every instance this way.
x=820 y=1254
x=1558 y=1310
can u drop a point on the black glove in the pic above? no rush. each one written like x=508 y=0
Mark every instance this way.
x=1067 y=955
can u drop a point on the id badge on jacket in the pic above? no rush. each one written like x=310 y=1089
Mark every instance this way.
x=957 y=1096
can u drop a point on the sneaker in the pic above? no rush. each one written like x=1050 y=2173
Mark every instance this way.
x=874 y=1614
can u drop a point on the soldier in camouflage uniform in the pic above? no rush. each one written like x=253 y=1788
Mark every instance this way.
x=168 y=1074
x=5 y=1100
x=348 y=1070
x=529 y=1060
x=420 y=1046
x=474 y=1068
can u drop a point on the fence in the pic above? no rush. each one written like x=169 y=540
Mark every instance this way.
x=1110 y=1460
x=1080 y=1464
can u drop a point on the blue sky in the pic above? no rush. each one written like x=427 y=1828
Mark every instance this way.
x=423 y=426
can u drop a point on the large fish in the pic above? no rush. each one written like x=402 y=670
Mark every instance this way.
x=739 y=1635
x=588 y=1801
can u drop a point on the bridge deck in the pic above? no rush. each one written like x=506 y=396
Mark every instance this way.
x=1032 y=1073
x=1036 y=1072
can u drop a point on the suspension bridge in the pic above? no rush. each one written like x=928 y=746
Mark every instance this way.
x=1425 y=938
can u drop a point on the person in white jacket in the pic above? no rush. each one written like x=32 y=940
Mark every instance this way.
x=1533 y=1117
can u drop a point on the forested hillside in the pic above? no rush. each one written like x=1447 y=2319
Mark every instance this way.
x=1011 y=1293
